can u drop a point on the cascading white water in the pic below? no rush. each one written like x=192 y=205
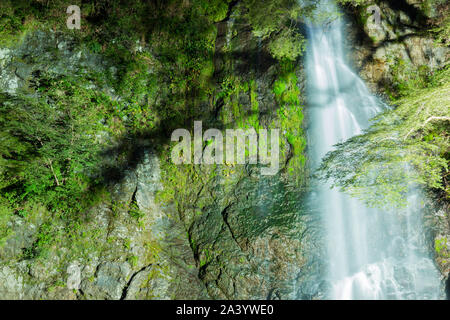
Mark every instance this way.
x=372 y=254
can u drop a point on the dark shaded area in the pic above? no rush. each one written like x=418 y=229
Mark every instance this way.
x=231 y=6
x=245 y=62
x=414 y=13
x=249 y=63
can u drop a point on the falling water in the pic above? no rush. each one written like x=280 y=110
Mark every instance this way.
x=372 y=254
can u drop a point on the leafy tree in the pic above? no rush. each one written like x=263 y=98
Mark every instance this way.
x=48 y=146
x=287 y=45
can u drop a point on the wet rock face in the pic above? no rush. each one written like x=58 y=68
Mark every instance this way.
x=250 y=235
x=110 y=280
x=147 y=260
x=378 y=48
x=144 y=286
x=250 y=247
x=47 y=51
x=11 y=286
x=132 y=248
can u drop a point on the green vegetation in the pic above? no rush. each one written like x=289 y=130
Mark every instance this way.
x=5 y=215
x=277 y=22
x=55 y=130
x=290 y=113
x=50 y=148
x=442 y=30
x=440 y=245
x=406 y=78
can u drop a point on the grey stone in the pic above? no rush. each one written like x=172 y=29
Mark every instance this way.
x=110 y=280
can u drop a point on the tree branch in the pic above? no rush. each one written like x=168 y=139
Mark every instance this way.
x=53 y=171
x=425 y=123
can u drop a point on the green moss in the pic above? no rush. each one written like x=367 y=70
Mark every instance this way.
x=290 y=113
x=440 y=246
x=57 y=284
x=206 y=258
x=6 y=213
x=133 y=260
x=253 y=120
x=135 y=212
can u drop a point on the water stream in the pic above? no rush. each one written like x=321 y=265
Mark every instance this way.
x=371 y=254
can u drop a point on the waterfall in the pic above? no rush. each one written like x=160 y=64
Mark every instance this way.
x=371 y=254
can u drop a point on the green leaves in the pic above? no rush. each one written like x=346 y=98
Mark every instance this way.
x=48 y=145
x=287 y=45
x=276 y=21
